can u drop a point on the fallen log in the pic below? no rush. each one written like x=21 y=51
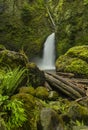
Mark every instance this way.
x=63 y=86
x=70 y=75
x=65 y=81
x=83 y=81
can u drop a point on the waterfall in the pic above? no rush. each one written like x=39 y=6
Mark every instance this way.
x=47 y=62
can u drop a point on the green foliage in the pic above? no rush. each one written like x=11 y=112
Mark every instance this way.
x=71 y=23
x=17 y=117
x=60 y=105
x=30 y=105
x=85 y=2
x=79 y=123
x=12 y=112
x=3 y=99
x=11 y=80
x=26 y=14
x=62 y=47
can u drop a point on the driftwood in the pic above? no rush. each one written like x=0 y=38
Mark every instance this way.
x=64 y=86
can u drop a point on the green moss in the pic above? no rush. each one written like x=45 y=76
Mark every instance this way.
x=75 y=60
x=78 y=67
x=12 y=59
x=61 y=62
x=78 y=112
x=42 y=93
x=28 y=90
x=79 y=51
x=36 y=77
x=30 y=109
x=53 y=95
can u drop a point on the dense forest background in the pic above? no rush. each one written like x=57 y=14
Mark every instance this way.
x=26 y=24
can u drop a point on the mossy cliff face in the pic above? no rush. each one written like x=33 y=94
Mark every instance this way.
x=71 y=23
x=75 y=60
x=23 y=25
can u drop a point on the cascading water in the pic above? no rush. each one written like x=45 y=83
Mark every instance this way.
x=47 y=62
x=49 y=53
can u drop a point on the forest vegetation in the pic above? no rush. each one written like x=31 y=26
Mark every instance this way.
x=28 y=95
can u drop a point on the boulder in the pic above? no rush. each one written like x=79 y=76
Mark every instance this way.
x=12 y=59
x=28 y=90
x=36 y=77
x=50 y=120
x=42 y=93
x=75 y=60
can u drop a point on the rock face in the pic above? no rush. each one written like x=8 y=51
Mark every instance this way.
x=75 y=60
x=23 y=24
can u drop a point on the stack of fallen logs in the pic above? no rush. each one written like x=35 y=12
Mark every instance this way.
x=72 y=87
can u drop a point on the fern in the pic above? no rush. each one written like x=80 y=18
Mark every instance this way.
x=11 y=80
x=17 y=117
x=12 y=113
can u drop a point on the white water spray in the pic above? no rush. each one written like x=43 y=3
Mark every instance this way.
x=47 y=62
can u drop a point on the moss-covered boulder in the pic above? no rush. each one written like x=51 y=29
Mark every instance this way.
x=42 y=93
x=28 y=90
x=36 y=77
x=12 y=59
x=75 y=60
x=24 y=25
